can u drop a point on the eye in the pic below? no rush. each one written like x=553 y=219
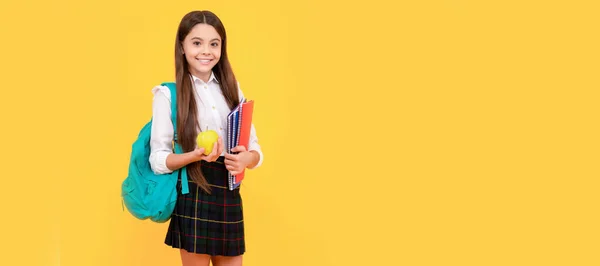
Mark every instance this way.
x=196 y=43
x=214 y=44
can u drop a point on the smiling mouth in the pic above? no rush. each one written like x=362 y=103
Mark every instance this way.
x=205 y=61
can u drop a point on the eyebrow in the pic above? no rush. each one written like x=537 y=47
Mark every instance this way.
x=215 y=39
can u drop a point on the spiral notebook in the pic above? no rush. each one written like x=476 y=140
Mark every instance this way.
x=239 y=122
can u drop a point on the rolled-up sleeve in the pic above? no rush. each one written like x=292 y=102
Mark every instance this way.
x=254 y=146
x=161 y=139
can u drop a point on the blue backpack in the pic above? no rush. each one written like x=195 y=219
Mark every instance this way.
x=146 y=194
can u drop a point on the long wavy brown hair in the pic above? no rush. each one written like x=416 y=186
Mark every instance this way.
x=187 y=116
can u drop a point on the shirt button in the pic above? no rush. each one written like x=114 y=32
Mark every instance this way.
x=214 y=108
x=205 y=87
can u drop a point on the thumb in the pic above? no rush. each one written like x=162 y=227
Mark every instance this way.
x=239 y=149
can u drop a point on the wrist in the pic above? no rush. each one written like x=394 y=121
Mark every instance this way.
x=193 y=156
x=254 y=158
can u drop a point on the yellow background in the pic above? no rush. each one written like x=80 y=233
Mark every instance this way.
x=438 y=132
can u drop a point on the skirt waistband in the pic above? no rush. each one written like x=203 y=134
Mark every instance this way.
x=220 y=160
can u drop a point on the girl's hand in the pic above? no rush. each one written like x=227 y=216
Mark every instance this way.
x=214 y=155
x=236 y=163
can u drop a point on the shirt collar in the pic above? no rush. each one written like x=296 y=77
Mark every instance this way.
x=212 y=78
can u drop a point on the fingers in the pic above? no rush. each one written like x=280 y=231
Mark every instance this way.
x=220 y=142
x=214 y=154
x=211 y=157
x=232 y=157
x=233 y=166
x=198 y=153
x=231 y=163
x=233 y=169
x=238 y=149
x=216 y=151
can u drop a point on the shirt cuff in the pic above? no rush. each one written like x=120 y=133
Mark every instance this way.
x=158 y=162
x=260 y=154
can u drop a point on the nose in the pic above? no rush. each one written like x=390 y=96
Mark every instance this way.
x=205 y=50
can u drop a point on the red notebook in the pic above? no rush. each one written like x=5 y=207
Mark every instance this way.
x=239 y=125
x=245 y=127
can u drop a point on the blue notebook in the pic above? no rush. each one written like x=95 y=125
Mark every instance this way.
x=234 y=121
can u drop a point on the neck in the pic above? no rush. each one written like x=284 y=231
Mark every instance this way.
x=203 y=76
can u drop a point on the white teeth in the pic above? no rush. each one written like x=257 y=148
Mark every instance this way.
x=204 y=61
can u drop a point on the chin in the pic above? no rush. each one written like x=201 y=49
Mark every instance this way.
x=204 y=69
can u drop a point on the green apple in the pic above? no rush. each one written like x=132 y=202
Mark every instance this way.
x=206 y=140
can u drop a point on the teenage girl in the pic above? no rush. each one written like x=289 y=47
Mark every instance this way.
x=208 y=223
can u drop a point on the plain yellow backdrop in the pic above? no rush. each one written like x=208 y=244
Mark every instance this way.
x=439 y=132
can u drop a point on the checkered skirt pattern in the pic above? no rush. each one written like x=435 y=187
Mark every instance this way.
x=208 y=224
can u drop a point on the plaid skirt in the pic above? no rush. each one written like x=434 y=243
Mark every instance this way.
x=208 y=224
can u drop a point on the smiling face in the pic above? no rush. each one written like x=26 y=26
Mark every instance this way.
x=202 y=50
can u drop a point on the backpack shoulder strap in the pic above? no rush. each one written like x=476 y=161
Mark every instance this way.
x=178 y=149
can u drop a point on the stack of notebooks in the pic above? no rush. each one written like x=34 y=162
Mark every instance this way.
x=239 y=123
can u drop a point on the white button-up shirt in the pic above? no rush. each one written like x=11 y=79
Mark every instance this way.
x=212 y=114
